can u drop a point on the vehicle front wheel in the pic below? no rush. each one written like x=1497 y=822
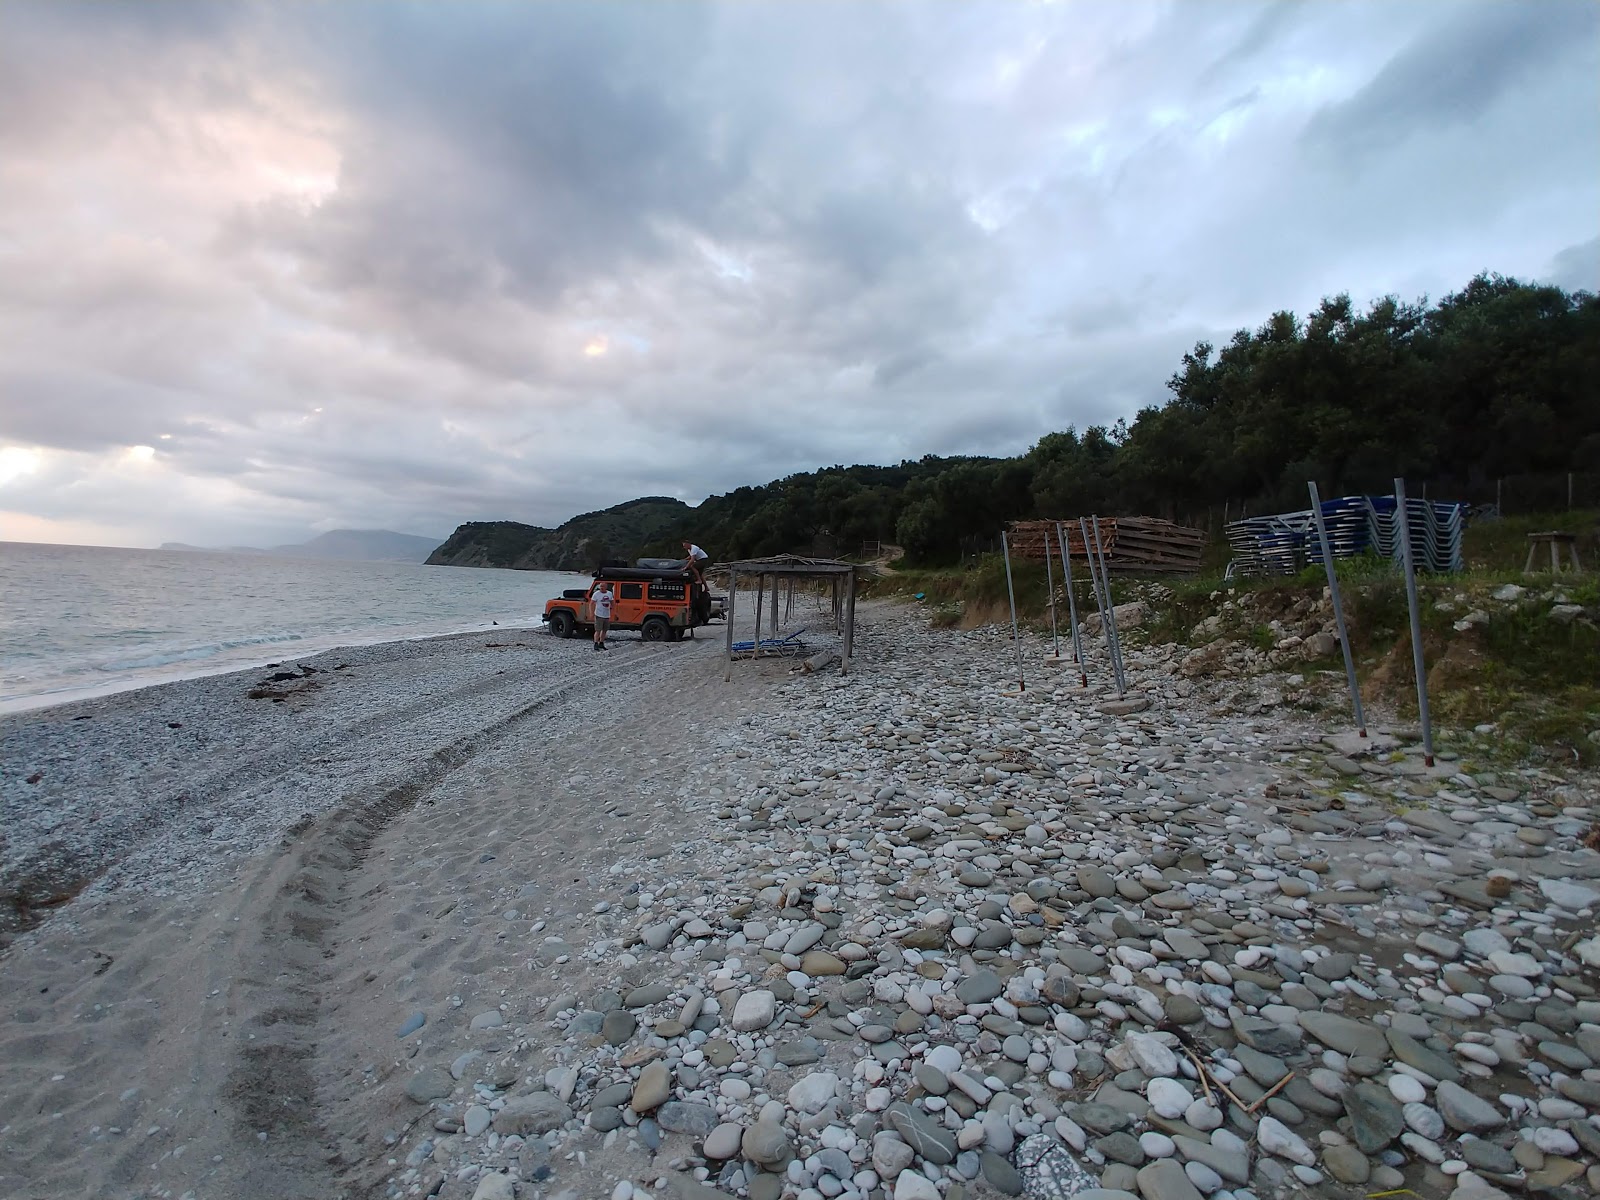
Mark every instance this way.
x=655 y=629
x=561 y=623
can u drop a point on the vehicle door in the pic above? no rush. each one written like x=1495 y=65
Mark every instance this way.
x=629 y=607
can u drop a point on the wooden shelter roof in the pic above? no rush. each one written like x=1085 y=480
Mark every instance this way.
x=789 y=564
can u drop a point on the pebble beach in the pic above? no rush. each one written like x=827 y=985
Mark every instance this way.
x=498 y=921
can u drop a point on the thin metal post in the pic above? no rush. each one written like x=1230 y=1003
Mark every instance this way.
x=1094 y=586
x=1050 y=595
x=733 y=600
x=1016 y=639
x=1112 y=640
x=1072 y=606
x=849 y=623
x=1569 y=491
x=1416 y=620
x=1499 y=508
x=1338 y=610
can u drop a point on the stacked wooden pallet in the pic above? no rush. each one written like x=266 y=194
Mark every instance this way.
x=1133 y=545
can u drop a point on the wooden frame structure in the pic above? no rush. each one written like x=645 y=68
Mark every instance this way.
x=790 y=567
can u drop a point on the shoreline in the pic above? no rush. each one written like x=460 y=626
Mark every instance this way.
x=613 y=927
x=98 y=791
x=304 y=646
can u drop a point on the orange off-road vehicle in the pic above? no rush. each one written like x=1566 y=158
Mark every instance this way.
x=662 y=604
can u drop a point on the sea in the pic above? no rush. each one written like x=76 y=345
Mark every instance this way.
x=79 y=621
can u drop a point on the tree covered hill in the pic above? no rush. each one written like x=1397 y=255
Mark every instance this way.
x=1500 y=378
x=584 y=541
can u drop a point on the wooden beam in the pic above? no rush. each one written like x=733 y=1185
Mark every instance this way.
x=849 y=623
x=761 y=599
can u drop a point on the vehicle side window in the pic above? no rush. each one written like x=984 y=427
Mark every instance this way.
x=630 y=591
x=666 y=591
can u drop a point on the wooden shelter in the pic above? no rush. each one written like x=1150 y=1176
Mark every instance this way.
x=789 y=568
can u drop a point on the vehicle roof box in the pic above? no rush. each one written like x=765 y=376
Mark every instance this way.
x=661 y=564
x=639 y=573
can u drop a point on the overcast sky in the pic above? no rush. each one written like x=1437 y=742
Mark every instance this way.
x=267 y=270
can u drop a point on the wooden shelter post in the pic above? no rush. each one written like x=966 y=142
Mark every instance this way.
x=849 y=622
x=733 y=599
x=761 y=599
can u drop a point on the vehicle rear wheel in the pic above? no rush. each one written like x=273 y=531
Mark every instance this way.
x=655 y=629
x=561 y=623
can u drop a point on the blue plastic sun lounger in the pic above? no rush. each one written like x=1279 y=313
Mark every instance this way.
x=777 y=645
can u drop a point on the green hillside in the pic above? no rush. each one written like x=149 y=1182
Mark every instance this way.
x=577 y=545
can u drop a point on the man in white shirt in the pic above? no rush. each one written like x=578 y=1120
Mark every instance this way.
x=602 y=600
x=698 y=560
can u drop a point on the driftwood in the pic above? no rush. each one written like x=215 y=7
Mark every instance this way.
x=820 y=661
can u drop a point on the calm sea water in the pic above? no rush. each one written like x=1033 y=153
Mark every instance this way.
x=81 y=620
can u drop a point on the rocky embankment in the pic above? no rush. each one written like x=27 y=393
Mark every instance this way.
x=917 y=936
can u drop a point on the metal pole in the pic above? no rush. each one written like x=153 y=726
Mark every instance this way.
x=1016 y=639
x=1338 y=610
x=1050 y=595
x=1416 y=620
x=1094 y=586
x=1072 y=606
x=1112 y=640
x=733 y=600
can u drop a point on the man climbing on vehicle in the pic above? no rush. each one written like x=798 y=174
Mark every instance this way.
x=697 y=560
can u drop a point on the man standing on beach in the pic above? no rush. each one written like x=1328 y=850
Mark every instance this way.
x=602 y=614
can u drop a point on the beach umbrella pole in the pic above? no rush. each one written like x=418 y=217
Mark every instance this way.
x=1072 y=606
x=1050 y=595
x=1113 y=641
x=1417 y=664
x=1094 y=587
x=1011 y=593
x=1338 y=611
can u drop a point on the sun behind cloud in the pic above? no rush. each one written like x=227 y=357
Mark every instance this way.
x=596 y=347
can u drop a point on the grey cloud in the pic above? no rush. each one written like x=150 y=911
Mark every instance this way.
x=1455 y=72
x=792 y=235
x=1577 y=268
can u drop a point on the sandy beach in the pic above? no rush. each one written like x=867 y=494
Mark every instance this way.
x=499 y=917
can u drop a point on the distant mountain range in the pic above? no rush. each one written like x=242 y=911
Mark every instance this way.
x=349 y=545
